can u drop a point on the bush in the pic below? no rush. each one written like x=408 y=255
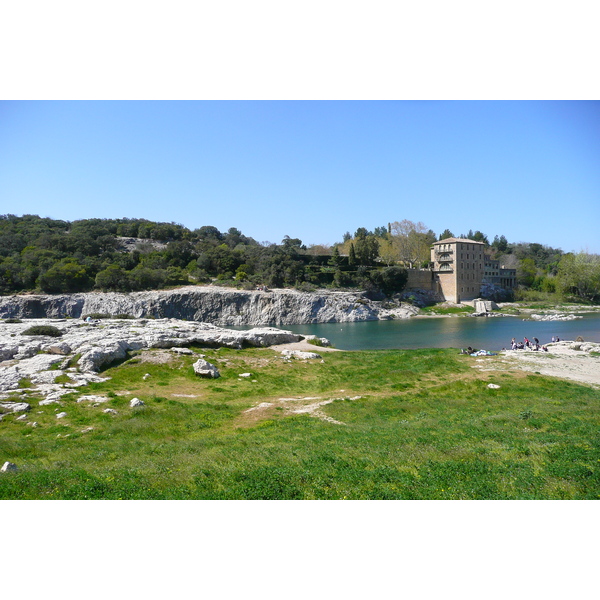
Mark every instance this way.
x=12 y=321
x=390 y=280
x=106 y=316
x=305 y=286
x=113 y=278
x=65 y=277
x=43 y=330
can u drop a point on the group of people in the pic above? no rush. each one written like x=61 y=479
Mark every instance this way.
x=528 y=344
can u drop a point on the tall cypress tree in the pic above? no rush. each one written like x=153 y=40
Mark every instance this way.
x=352 y=256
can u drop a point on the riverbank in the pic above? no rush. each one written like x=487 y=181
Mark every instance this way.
x=576 y=361
x=415 y=424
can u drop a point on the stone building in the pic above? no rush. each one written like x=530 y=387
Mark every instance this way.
x=495 y=274
x=460 y=267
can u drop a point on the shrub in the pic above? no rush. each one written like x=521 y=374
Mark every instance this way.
x=43 y=330
x=305 y=286
x=68 y=276
x=12 y=321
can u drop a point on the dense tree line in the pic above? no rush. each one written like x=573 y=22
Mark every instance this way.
x=54 y=256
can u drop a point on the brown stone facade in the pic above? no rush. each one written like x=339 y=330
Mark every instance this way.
x=458 y=268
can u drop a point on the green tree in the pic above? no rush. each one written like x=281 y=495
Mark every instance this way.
x=579 y=275
x=352 y=256
x=391 y=280
x=526 y=272
x=68 y=276
x=336 y=259
x=366 y=249
x=113 y=278
x=412 y=242
x=480 y=237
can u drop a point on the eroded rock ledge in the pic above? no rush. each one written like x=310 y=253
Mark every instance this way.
x=34 y=363
x=211 y=304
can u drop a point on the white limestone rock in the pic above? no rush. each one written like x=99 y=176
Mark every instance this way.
x=110 y=411
x=102 y=354
x=555 y=317
x=135 y=402
x=298 y=354
x=61 y=415
x=7 y=467
x=92 y=398
x=12 y=407
x=182 y=350
x=212 y=304
x=61 y=348
x=205 y=369
x=493 y=386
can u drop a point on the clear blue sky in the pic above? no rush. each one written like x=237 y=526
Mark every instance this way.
x=527 y=169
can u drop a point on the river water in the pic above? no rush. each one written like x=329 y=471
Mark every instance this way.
x=489 y=333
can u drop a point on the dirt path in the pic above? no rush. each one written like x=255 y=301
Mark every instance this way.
x=303 y=346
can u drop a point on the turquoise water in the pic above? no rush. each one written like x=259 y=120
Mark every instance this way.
x=491 y=333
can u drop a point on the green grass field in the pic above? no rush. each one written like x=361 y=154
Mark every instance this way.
x=426 y=426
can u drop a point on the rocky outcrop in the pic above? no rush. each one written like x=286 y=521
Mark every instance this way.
x=14 y=407
x=211 y=304
x=555 y=317
x=29 y=363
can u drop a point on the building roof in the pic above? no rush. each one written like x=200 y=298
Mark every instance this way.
x=454 y=240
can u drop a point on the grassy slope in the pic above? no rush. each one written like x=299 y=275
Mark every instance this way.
x=426 y=427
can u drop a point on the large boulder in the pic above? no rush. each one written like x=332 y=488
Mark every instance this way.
x=102 y=355
x=204 y=369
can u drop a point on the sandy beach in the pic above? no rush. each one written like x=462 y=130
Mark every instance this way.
x=578 y=361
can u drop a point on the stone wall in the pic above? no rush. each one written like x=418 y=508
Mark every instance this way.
x=420 y=279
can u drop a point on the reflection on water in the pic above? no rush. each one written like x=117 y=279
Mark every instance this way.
x=492 y=333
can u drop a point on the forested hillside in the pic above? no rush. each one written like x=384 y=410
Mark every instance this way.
x=58 y=256
x=54 y=256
